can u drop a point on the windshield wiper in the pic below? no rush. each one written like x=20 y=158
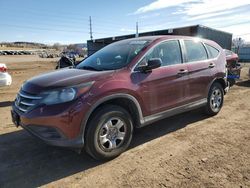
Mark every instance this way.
x=89 y=68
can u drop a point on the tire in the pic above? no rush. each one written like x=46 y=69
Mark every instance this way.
x=109 y=132
x=231 y=82
x=215 y=99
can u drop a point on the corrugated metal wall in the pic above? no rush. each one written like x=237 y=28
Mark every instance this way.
x=94 y=47
x=222 y=38
x=244 y=54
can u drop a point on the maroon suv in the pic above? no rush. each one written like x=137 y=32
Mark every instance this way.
x=125 y=85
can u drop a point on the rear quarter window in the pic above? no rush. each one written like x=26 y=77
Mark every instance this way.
x=195 y=51
x=212 y=51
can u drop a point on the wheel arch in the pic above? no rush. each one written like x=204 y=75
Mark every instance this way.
x=127 y=101
x=221 y=81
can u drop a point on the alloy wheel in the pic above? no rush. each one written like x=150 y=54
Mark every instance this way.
x=216 y=99
x=112 y=134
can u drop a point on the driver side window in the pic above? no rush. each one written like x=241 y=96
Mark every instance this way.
x=153 y=53
x=169 y=52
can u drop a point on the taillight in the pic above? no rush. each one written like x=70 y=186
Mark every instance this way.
x=3 y=69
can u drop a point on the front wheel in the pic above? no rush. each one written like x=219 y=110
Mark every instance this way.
x=109 y=132
x=215 y=99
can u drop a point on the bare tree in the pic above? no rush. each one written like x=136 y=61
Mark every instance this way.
x=76 y=49
x=238 y=42
x=72 y=47
x=57 y=46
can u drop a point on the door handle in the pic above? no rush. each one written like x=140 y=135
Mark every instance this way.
x=211 y=65
x=182 y=72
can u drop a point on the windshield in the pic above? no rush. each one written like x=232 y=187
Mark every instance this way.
x=114 y=56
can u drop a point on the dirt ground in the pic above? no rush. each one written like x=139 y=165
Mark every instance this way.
x=187 y=150
x=13 y=59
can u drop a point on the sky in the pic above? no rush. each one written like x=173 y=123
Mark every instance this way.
x=66 y=22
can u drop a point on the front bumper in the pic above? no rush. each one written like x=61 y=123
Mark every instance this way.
x=58 y=125
x=53 y=137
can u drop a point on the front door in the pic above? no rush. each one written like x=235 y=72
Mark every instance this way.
x=167 y=86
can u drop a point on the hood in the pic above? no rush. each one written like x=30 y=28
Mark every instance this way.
x=62 y=78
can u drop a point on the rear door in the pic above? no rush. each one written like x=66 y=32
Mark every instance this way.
x=199 y=69
x=165 y=87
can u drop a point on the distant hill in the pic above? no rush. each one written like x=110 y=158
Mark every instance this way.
x=21 y=44
x=81 y=45
x=24 y=44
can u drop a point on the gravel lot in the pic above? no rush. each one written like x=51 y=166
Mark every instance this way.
x=188 y=150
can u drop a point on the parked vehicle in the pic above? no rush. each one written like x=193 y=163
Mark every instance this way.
x=5 y=78
x=125 y=85
x=65 y=61
x=72 y=55
x=233 y=67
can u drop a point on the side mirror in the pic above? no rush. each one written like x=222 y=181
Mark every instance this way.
x=152 y=63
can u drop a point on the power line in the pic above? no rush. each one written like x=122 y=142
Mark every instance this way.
x=238 y=23
x=43 y=12
x=243 y=34
x=51 y=26
x=72 y=24
x=52 y=30
x=69 y=18
x=65 y=24
x=44 y=29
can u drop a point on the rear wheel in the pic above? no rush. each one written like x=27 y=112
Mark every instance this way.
x=109 y=132
x=215 y=99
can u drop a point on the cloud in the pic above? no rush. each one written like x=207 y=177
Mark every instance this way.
x=160 y=4
x=231 y=16
x=212 y=6
x=237 y=30
x=193 y=7
x=211 y=15
x=149 y=16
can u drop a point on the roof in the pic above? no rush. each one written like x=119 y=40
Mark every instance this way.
x=162 y=37
x=167 y=31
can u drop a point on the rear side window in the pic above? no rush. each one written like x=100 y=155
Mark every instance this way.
x=213 y=52
x=195 y=51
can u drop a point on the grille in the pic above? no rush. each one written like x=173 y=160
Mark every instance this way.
x=25 y=101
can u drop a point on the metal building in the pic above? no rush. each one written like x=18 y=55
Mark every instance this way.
x=224 y=39
x=244 y=53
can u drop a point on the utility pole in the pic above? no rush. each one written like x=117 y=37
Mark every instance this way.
x=137 y=33
x=90 y=28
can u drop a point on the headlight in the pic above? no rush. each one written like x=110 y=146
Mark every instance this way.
x=65 y=94
x=59 y=96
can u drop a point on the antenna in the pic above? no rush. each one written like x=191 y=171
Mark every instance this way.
x=137 y=33
x=90 y=28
